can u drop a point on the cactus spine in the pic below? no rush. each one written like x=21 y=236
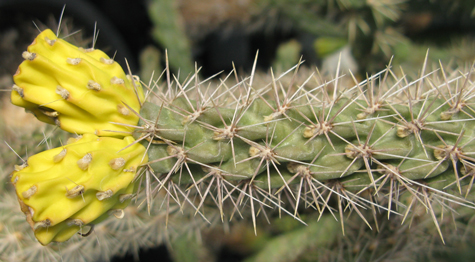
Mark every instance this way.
x=385 y=143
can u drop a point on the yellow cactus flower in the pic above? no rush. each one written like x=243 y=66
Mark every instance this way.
x=71 y=188
x=80 y=90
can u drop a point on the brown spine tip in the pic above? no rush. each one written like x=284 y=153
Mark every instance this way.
x=28 y=56
x=84 y=162
x=93 y=85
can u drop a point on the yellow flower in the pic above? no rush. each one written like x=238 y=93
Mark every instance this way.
x=71 y=188
x=80 y=90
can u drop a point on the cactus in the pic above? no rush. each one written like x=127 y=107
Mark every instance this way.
x=64 y=189
x=63 y=84
x=306 y=147
x=310 y=143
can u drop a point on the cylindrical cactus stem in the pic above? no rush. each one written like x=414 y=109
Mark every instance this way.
x=289 y=140
x=71 y=188
x=339 y=151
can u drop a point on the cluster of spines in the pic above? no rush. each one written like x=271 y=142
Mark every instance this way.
x=363 y=145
